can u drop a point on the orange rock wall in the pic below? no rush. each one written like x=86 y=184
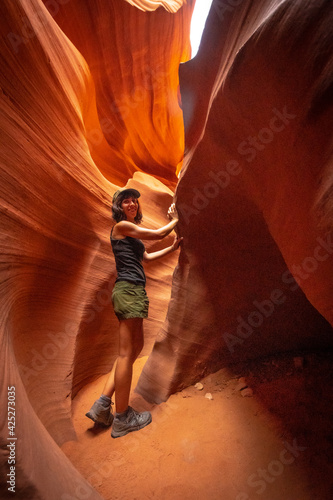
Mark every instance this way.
x=254 y=195
x=89 y=102
x=58 y=175
x=134 y=64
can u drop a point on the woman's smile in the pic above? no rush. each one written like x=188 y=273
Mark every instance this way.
x=130 y=207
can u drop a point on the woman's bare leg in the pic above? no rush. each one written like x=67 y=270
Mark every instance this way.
x=109 y=386
x=130 y=345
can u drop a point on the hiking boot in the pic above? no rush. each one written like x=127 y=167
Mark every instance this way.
x=100 y=414
x=134 y=421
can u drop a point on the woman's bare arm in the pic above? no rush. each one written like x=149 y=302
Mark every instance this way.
x=127 y=228
x=161 y=253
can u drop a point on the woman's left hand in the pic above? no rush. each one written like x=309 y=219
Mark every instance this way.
x=177 y=241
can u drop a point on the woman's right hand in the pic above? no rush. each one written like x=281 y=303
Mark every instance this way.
x=172 y=212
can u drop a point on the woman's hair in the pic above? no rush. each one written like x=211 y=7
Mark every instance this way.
x=118 y=213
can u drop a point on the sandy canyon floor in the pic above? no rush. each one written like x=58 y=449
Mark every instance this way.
x=272 y=442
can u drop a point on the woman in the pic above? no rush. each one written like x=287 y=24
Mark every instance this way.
x=130 y=304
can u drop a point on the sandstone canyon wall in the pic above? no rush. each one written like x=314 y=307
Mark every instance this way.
x=255 y=195
x=89 y=102
x=133 y=57
x=65 y=149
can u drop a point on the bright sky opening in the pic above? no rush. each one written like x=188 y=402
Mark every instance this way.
x=199 y=17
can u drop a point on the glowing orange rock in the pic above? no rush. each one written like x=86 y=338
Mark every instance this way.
x=134 y=58
x=57 y=328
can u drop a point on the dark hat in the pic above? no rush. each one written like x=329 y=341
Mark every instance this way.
x=126 y=191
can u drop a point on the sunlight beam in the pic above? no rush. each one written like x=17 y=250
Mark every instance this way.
x=199 y=17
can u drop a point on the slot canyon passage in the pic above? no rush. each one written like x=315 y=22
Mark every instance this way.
x=99 y=94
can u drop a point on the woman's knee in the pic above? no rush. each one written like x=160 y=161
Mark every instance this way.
x=131 y=351
x=127 y=351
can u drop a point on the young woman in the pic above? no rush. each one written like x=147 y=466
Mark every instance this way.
x=130 y=304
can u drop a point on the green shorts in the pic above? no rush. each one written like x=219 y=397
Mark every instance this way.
x=129 y=300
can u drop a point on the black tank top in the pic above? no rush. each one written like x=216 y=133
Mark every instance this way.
x=128 y=254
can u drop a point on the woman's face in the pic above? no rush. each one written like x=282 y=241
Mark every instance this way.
x=130 y=207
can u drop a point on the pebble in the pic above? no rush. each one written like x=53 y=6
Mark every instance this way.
x=199 y=386
x=208 y=395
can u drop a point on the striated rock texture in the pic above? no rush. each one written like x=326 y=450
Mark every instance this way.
x=149 y=5
x=89 y=102
x=255 y=195
x=133 y=57
x=59 y=170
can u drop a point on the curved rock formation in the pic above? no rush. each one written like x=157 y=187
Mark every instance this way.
x=58 y=329
x=90 y=105
x=255 y=195
x=149 y=5
x=136 y=83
